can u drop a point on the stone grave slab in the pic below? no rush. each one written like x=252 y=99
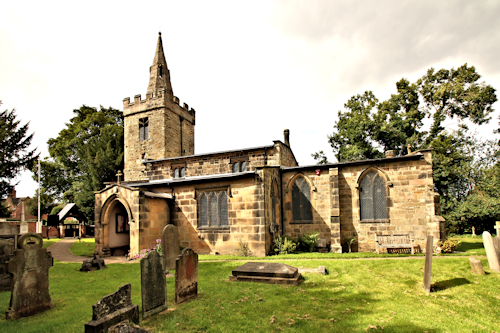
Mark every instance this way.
x=491 y=252
x=113 y=309
x=126 y=327
x=93 y=264
x=6 y=251
x=30 y=278
x=171 y=245
x=186 y=276
x=153 y=285
x=267 y=272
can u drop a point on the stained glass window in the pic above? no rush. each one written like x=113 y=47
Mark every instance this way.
x=373 y=201
x=301 y=200
x=213 y=209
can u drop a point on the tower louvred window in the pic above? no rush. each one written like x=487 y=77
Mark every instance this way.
x=143 y=129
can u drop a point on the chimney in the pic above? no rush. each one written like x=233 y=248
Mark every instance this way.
x=390 y=153
x=287 y=137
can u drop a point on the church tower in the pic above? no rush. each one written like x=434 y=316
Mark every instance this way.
x=157 y=127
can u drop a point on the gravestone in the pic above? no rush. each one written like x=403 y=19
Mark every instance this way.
x=171 y=245
x=476 y=265
x=267 y=272
x=491 y=252
x=186 y=276
x=30 y=278
x=93 y=264
x=113 y=309
x=497 y=226
x=496 y=244
x=6 y=251
x=154 y=285
x=428 y=263
x=127 y=327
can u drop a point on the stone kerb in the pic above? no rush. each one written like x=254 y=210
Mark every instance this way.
x=491 y=252
x=171 y=245
x=153 y=285
x=30 y=278
x=112 y=309
x=186 y=276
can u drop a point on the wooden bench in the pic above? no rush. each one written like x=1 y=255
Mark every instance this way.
x=394 y=242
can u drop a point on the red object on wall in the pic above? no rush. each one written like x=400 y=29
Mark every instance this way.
x=318 y=172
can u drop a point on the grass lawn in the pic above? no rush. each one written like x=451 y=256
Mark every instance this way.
x=84 y=247
x=49 y=242
x=384 y=294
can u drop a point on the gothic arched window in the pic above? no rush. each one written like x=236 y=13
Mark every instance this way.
x=301 y=201
x=213 y=209
x=372 y=198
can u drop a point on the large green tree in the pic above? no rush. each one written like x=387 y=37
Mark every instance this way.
x=414 y=118
x=15 y=154
x=87 y=153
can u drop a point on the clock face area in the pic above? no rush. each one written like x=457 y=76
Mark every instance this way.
x=30 y=242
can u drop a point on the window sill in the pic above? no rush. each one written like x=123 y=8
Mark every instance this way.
x=376 y=221
x=212 y=230
x=302 y=222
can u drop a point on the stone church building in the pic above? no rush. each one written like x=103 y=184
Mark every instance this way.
x=221 y=200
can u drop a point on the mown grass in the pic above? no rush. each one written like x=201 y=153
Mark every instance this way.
x=356 y=295
x=49 y=242
x=83 y=247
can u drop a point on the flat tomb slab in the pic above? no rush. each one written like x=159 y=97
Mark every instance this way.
x=266 y=272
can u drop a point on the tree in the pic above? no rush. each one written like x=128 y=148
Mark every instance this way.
x=87 y=153
x=15 y=154
x=367 y=128
x=4 y=209
x=46 y=203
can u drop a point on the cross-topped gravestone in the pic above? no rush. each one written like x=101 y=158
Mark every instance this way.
x=186 y=276
x=497 y=226
x=491 y=252
x=30 y=278
x=171 y=245
x=112 y=309
x=153 y=285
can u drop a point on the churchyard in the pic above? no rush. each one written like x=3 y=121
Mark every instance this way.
x=357 y=295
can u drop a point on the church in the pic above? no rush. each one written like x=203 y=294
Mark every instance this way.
x=222 y=200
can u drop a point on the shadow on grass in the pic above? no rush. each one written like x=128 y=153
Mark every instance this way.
x=443 y=285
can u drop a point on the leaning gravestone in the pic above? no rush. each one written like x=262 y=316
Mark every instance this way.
x=30 y=278
x=491 y=252
x=154 y=285
x=186 y=276
x=6 y=251
x=171 y=246
x=428 y=263
x=113 y=309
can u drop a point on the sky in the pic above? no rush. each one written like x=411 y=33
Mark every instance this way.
x=250 y=69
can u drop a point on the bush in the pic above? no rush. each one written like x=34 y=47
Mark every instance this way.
x=449 y=245
x=285 y=245
x=349 y=241
x=244 y=249
x=308 y=241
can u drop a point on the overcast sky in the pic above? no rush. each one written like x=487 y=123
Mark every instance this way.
x=250 y=69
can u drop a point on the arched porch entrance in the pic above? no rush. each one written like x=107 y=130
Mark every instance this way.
x=114 y=235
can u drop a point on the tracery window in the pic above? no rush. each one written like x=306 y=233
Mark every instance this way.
x=143 y=129
x=372 y=198
x=213 y=209
x=301 y=201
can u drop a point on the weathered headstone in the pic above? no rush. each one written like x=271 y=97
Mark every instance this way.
x=491 y=252
x=171 y=245
x=126 y=327
x=322 y=270
x=93 y=264
x=476 y=265
x=6 y=251
x=113 y=309
x=428 y=263
x=496 y=244
x=154 y=285
x=30 y=278
x=186 y=276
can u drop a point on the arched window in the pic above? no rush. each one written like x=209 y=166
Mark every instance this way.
x=213 y=209
x=183 y=172
x=236 y=167
x=243 y=166
x=143 y=129
x=176 y=173
x=372 y=198
x=301 y=201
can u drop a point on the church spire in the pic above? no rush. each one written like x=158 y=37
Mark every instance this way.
x=159 y=75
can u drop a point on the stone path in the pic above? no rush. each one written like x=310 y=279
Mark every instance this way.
x=60 y=251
